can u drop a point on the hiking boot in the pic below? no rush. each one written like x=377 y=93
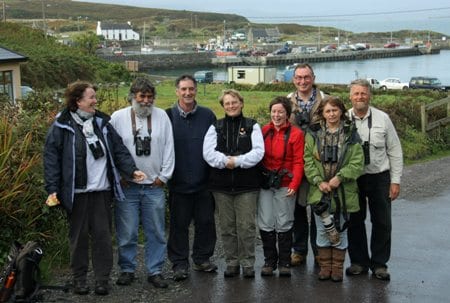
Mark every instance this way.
x=267 y=270
x=125 y=278
x=157 y=281
x=297 y=259
x=382 y=273
x=205 y=267
x=180 y=274
x=101 y=288
x=80 y=287
x=356 y=269
x=284 y=271
x=248 y=272
x=231 y=271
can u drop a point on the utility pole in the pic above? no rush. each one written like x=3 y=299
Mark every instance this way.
x=4 y=12
x=44 y=25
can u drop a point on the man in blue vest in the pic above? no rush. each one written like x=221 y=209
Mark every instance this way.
x=189 y=198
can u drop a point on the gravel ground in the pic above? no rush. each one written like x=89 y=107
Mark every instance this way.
x=419 y=181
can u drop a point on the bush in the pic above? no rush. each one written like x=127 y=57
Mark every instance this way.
x=23 y=214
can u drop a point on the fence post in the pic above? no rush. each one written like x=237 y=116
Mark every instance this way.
x=423 y=118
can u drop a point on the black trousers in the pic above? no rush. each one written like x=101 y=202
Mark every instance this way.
x=184 y=208
x=90 y=222
x=302 y=229
x=373 y=191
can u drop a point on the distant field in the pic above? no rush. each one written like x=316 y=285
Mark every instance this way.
x=207 y=95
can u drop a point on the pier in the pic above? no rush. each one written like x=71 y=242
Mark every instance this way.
x=143 y=62
x=322 y=57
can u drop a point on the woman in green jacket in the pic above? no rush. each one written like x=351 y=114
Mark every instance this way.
x=333 y=161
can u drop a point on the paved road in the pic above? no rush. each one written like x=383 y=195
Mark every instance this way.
x=419 y=266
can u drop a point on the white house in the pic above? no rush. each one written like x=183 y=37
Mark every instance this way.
x=10 y=78
x=118 y=32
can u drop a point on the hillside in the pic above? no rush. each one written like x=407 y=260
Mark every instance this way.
x=66 y=15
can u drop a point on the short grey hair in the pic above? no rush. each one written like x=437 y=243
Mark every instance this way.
x=361 y=82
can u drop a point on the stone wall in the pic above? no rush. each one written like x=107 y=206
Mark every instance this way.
x=165 y=61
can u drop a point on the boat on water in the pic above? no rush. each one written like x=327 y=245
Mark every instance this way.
x=226 y=52
x=145 y=48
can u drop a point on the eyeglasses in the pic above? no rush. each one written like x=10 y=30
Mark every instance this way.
x=305 y=78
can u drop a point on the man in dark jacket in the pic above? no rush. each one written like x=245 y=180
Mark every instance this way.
x=189 y=197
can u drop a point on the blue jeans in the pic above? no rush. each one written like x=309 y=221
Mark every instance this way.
x=322 y=237
x=149 y=202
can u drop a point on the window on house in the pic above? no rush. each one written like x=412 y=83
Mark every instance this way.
x=6 y=84
x=241 y=74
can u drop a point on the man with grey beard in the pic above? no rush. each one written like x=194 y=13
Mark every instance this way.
x=147 y=133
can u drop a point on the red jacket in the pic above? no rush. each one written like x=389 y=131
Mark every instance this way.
x=274 y=151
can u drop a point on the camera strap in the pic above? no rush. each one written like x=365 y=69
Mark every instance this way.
x=133 y=124
x=369 y=123
x=286 y=136
x=337 y=217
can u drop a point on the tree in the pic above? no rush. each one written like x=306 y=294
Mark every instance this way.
x=87 y=42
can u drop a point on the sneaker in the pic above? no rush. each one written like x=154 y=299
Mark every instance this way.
x=248 y=272
x=382 y=273
x=125 y=278
x=101 y=288
x=80 y=287
x=180 y=274
x=297 y=259
x=231 y=271
x=205 y=267
x=356 y=269
x=157 y=281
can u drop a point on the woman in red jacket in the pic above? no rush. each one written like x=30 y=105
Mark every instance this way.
x=283 y=166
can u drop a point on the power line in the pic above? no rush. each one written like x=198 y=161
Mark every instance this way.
x=357 y=14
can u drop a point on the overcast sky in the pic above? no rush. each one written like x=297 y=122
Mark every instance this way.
x=348 y=13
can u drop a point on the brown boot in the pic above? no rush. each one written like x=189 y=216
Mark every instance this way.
x=324 y=254
x=337 y=265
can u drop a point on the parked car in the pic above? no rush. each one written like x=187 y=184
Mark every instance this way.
x=374 y=83
x=428 y=83
x=281 y=51
x=328 y=49
x=25 y=91
x=344 y=48
x=391 y=45
x=204 y=76
x=259 y=53
x=393 y=83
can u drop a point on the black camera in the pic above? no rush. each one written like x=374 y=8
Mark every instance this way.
x=273 y=178
x=330 y=153
x=366 y=151
x=96 y=150
x=143 y=146
x=302 y=118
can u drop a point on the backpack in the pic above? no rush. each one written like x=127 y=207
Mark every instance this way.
x=20 y=277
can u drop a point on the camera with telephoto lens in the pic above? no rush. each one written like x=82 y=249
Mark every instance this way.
x=366 y=151
x=330 y=153
x=143 y=146
x=302 y=118
x=321 y=209
x=96 y=150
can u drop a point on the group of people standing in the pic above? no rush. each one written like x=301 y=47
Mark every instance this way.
x=312 y=170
